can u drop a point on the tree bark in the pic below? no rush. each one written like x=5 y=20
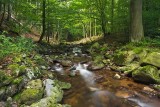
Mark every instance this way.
x=9 y=11
x=0 y=7
x=103 y=24
x=4 y=10
x=136 y=32
x=112 y=15
x=43 y=20
x=95 y=28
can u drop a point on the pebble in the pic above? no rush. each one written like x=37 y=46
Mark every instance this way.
x=117 y=76
x=148 y=89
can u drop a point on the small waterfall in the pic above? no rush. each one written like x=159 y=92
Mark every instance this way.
x=86 y=74
x=58 y=68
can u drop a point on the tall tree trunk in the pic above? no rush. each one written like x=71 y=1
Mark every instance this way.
x=90 y=28
x=4 y=10
x=9 y=11
x=103 y=24
x=136 y=33
x=84 y=33
x=95 y=28
x=43 y=20
x=112 y=15
x=0 y=7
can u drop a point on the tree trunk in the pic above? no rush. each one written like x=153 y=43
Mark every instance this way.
x=43 y=20
x=0 y=7
x=95 y=29
x=112 y=15
x=9 y=11
x=2 y=19
x=136 y=33
x=103 y=25
x=90 y=28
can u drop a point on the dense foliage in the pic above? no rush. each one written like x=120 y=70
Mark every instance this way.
x=10 y=45
x=75 y=19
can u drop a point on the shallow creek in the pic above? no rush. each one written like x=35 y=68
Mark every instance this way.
x=100 y=89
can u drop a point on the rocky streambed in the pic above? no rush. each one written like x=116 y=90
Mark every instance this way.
x=87 y=77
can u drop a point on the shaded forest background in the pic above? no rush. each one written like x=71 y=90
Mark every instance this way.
x=68 y=20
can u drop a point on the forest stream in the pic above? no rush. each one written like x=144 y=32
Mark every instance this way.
x=101 y=88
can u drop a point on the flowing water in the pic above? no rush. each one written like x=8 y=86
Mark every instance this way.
x=100 y=89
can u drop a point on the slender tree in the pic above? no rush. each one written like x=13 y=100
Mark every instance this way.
x=136 y=32
x=101 y=7
x=3 y=14
x=43 y=20
x=9 y=10
x=112 y=14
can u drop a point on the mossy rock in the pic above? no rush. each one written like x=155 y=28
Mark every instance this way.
x=96 y=66
x=18 y=80
x=17 y=69
x=3 y=76
x=147 y=74
x=35 y=84
x=33 y=72
x=29 y=96
x=46 y=102
x=123 y=57
x=152 y=58
x=32 y=93
x=5 y=79
x=128 y=69
x=54 y=94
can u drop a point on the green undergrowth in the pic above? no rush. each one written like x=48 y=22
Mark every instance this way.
x=147 y=42
x=10 y=45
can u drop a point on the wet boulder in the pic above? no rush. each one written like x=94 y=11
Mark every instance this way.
x=97 y=63
x=66 y=63
x=147 y=74
x=53 y=94
x=32 y=93
x=152 y=58
x=124 y=57
x=94 y=66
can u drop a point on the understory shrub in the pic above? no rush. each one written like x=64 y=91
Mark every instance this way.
x=10 y=45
